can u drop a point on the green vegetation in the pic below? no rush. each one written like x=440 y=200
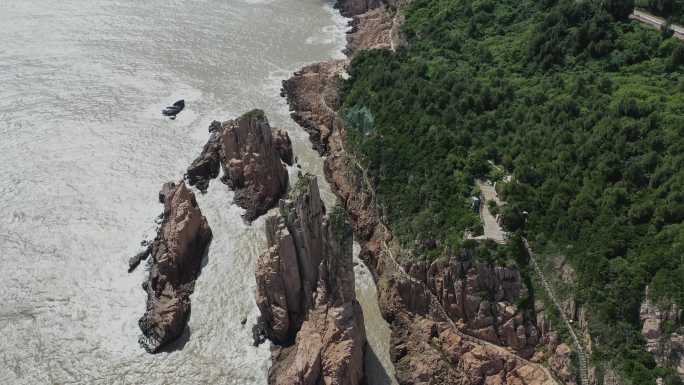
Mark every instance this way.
x=255 y=114
x=583 y=107
x=340 y=226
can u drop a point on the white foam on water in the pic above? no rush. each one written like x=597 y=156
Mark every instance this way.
x=83 y=155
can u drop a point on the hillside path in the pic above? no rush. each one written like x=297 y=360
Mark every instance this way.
x=656 y=22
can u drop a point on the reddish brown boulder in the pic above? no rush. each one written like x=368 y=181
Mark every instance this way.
x=251 y=154
x=177 y=254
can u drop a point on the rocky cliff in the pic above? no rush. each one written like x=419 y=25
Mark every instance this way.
x=427 y=346
x=305 y=293
x=663 y=329
x=177 y=252
x=313 y=98
x=250 y=153
x=482 y=298
x=312 y=92
x=428 y=349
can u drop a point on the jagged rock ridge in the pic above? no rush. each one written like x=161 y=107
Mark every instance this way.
x=177 y=252
x=426 y=349
x=482 y=298
x=250 y=153
x=306 y=293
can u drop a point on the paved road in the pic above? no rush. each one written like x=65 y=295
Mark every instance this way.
x=656 y=22
x=492 y=228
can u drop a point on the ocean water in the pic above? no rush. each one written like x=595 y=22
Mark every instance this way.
x=84 y=151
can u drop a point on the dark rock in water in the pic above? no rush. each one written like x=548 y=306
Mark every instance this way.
x=177 y=253
x=135 y=260
x=167 y=189
x=173 y=110
x=251 y=154
x=207 y=165
x=259 y=332
x=283 y=145
x=243 y=320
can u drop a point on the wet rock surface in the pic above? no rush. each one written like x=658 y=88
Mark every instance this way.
x=208 y=164
x=305 y=293
x=251 y=155
x=177 y=252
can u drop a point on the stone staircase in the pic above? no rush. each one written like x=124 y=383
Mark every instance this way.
x=582 y=358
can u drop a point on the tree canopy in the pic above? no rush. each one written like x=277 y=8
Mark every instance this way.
x=584 y=108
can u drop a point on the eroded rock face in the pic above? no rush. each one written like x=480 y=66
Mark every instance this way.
x=312 y=94
x=427 y=350
x=177 y=253
x=250 y=153
x=305 y=293
x=667 y=347
x=207 y=165
x=482 y=298
x=377 y=28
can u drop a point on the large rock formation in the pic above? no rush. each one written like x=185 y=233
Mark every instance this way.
x=250 y=153
x=177 y=253
x=305 y=292
x=427 y=349
x=667 y=346
x=482 y=297
x=312 y=94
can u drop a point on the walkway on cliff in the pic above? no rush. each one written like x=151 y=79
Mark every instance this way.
x=396 y=266
x=582 y=358
x=492 y=230
x=491 y=227
x=656 y=22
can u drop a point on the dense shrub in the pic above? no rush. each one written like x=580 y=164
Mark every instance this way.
x=583 y=108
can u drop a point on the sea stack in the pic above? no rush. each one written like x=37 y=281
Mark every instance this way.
x=305 y=292
x=251 y=154
x=177 y=252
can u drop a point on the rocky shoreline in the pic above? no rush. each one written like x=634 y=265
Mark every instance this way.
x=424 y=345
x=252 y=156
